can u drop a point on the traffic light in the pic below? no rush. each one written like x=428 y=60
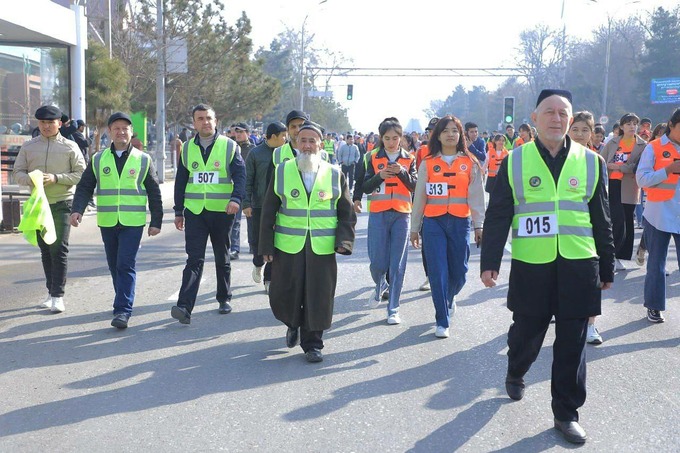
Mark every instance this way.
x=350 y=89
x=509 y=110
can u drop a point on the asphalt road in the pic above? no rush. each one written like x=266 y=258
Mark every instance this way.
x=71 y=382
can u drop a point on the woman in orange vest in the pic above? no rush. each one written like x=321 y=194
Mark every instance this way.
x=389 y=182
x=622 y=154
x=449 y=190
x=526 y=135
x=493 y=160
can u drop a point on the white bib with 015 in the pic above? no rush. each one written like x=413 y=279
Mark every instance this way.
x=206 y=177
x=435 y=189
x=537 y=225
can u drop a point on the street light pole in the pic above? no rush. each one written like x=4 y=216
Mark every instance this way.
x=606 y=65
x=302 y=60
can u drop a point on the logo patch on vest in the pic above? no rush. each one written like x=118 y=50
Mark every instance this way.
x=535 y=181
x=294 y=193
x=437 y=168
x=666 y=154
x=132 y=172
x=322 y=195
x=463 y=167
x=573 y=182
x=106 y=170
x=194 y=165
x=381 y=166
x=216 y=164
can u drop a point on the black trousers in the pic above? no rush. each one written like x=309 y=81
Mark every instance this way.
x=348 y=170
x=55 y=256
x=623 y=221
x=310 y=339
x=568 y=383
x=253 y=238
x=197 y=230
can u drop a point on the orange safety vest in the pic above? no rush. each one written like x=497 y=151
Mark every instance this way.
x=447 y=186
x=392 y=193
x=495 y=162
x=421 y=154
x=620 y=158
x=663 y=156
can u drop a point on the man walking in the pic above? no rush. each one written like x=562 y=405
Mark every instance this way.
x=209 y=187
x=307 y=217
x=124 y=178
x=553 y=193
x=348 y=156
x=241 y=137
x=294 y=121
x=62 y=164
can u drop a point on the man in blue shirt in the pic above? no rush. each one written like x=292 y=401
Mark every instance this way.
x=477 y=145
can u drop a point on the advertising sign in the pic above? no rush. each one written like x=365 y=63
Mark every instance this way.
x=665 y=91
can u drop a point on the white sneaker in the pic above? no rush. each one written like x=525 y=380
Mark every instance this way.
x=593 y=336
x=441 y=332
x=393 y=319
x=425 y=286
x=257 y=274
x=58 y=305
x=373 y=301
x=452 y=309
x=640 y=256
x=619 y=266
x=47 y=303
x=266 y=287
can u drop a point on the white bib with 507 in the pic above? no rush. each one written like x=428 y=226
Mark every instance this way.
x=206 y=177
x=537 y=225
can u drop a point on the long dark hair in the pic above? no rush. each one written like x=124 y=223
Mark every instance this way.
x=435 y=146
x=387 y=125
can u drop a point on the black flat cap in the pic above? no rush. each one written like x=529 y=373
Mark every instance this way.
x=48 y=112
x=241 y=126
x=119 y=116
x=295 y=114
x=553 y=92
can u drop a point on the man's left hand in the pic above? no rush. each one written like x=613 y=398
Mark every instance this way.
x=154 y=231
x=232 y=207
x=605 y=285
x=49 y=178
x=341 y=250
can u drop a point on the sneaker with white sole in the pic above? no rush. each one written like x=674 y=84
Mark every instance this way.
x=257 y=274
x=47 y=303
x=655 y=316
x=266 y=287
x=593 y=336
x=452 y=308
x=58 y=305
x=619 y=265
x=393 y=319
x=425 y=286
x=640 y=256
x=441 y=332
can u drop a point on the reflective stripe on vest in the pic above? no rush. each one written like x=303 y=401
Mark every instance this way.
x=300 y=213
x=664 y=155
x=395 y=194
x=538 y=199
x=457 y=180
x=121 y=198
x=495 y=162
x=216 y=195
x=282 y=154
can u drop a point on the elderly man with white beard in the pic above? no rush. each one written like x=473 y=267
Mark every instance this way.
x=307 y=217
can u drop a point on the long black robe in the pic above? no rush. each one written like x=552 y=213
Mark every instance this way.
x=302 y=288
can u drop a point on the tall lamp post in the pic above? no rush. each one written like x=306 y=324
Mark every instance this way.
x=302 y=59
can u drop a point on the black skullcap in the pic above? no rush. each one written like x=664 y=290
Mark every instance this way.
x=80 y=123
x=275 y=128
x=119 y=116
x=312 y=126
x=553 y=92
x=295 y=114
x=48 y=112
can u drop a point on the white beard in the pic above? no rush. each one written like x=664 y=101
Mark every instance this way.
x=308 y=163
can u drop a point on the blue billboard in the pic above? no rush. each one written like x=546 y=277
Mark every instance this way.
x=665 y=91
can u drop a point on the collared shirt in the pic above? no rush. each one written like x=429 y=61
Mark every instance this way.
x=662 y=215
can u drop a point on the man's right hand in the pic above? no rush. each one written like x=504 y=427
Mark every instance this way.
x=489 y=278
x=673 y=168
x=76 y=218
x=179 y=222
x=268 y=258
x=248 y=212
x=357 y=206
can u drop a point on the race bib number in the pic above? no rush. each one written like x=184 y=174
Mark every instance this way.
x=206 y=177
x=620 y=158
x=435 y=189
x=539 y=225
x=380 y=189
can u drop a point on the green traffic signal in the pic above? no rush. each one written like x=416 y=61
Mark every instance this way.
x=508 y=119
x=350 y=90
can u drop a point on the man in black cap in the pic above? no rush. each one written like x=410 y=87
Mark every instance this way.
x=62 y=165
x=80 y=138
x=259 y=170
x=125 y=179
x=240 y=131
x=294 y=121
x=553 y=193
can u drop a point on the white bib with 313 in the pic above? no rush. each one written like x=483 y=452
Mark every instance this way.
x=206 y=177
x=435 y=189
x=537 y=225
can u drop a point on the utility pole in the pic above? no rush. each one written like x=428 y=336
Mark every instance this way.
x=160 y=94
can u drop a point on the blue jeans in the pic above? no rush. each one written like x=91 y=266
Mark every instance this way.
x=235 y=234
x=388 y=233
x=121 y=245
x=657 y=242
x=445 y=243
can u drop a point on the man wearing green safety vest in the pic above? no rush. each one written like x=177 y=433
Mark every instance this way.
x=209 y=187
x=288 y=151
x=329 y=147
x=552 y=193
x=307 y=218
x=123 y=178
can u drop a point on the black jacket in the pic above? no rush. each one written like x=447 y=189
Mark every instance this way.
x=259 y=171
x=372 y=181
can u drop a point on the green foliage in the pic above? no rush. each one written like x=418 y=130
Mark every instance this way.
x=105 y=80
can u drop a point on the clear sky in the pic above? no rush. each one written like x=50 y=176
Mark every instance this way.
x=427 y=33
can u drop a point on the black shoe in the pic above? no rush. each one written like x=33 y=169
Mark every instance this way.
x=120 y=321
x=314 y=355
x=181 y=314
x=292 y=336
x=515 y=387
x=655 y=316
x=386 y=295
x=571 y=431
x=233 y=255
x=225 y=308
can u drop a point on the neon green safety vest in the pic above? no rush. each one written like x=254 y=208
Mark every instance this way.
x=121 y=198
x=366 y=157
x=550 y=217
x=300 y=214
x=210 y=185
x=282 y=154
x=329 y=147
